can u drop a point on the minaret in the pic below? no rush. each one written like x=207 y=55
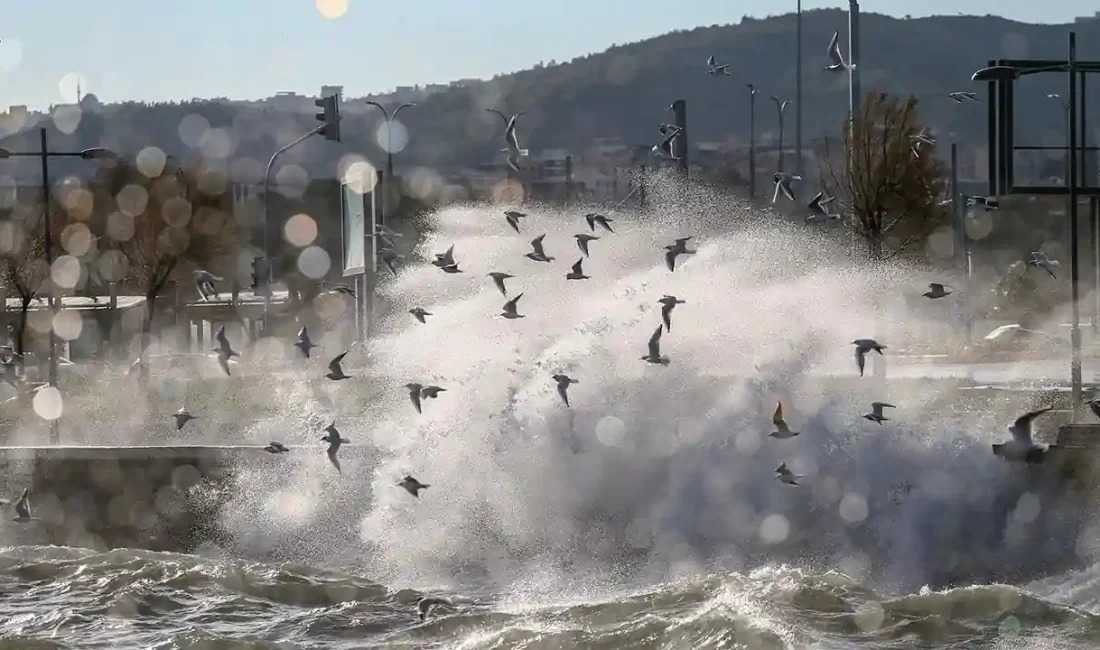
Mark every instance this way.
x=78 y=95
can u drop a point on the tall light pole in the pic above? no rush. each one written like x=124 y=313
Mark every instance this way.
x=798 y=97
x=854 y=97
x=44 y=154
x=388 y=120
x=752 y=142
x=781 y=108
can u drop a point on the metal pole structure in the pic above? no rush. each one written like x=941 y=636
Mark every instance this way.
x=679 y=109
x=47 y=230
x=388 y=120
x=854 y=97
x=781 y=108
x=752 y=142
x=962 y=245
x=1074 y=261
x=798 y=100
x=267 y=247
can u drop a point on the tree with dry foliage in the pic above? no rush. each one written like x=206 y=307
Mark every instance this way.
x=23 y=267
x=165 y=225
x=887 y=184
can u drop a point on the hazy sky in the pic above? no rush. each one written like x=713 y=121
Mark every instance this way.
x=158 y=50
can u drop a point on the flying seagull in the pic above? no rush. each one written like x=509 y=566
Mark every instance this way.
x=225 y=350
x=582 y=242
x=498 y=279
x=414 y=394
x=510 y=308
x=204 y=282
x=838 y=63
x=1042 y=261
x=668 y=303
x=594 y=218
x=920 y=139
x=863 y=346
x=1021 y=447
x=332 y=437
x=653 y=355
x=577 y=273
x=714 y=68
x=419 y=313
x=412 y=486
x=818 y=211
x=936 y=290
x=987 y=202
x=785 y=475
x=537 y=253
x=346 y=290
x=389 y=256
x=424 y=606
x=1094 y=406
x=563 y=380
x=513 y=217
x=335 y=370
x=303 y=342
x=782 y=431
x=386 y=235
x=783 y=185
x=512 y=147
x=431 y=392
x=446 y=258
x=665 y=145
x=274 y=447
x=960 y=97
x=679 y=247
x=876 y=412
x=182 y=417
x=23 y=508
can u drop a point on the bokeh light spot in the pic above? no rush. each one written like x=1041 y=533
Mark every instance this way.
x=47 y=403
x=11 y=54
x=314 y=262
x=392 y=136
x=132 y=200
x=853 y=508
x=76 y=239
x=65 y=271
x=610 y=431
x=70 y=84
x=68 y=324
x=150 y=161
x=774 y=529
x=192 y=129
x=300 y=230
x=361 y=176
x=332 y=9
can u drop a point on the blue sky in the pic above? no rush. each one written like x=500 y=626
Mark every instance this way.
x=160 y=50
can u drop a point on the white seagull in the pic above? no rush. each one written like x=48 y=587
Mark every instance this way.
x=785 y=475
x=537 y=253
x=577 y=273
x=1021 y=447
x=863 y=346
x=876 y=412
x=782 y=431
x=714 y=68
x=563 y=380
x=782 y=182
x=1042 y=261
x=936 y=290
x=838 y=63
x=509 y=309
x=668 y=303
x=498 y=279
x=653 y=354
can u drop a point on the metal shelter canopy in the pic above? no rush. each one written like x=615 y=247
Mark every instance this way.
x=1001 y=98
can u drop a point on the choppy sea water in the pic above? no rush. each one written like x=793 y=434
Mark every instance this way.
x=644 y=515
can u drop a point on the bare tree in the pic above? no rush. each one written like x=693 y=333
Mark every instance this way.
x=887 y=183
x=23 y=264
x=166 y=226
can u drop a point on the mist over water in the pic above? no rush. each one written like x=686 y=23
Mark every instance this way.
x=661 y=472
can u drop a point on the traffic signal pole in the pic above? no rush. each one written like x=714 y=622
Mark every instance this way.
x=330 y=128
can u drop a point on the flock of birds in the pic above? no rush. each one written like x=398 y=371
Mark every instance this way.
x=1021 y=447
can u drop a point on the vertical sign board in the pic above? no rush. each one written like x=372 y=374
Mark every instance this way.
x=353 y=216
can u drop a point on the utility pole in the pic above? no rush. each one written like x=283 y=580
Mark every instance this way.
x=854 y=97
x=752 y=142
x=680 y=142
x=797 y=187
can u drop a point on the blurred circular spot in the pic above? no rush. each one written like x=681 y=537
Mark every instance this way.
x=217 y=144
x=112 y=265
x=853 y=508
x=176 y=212
x=150 y=161
x=622 y=69
x=869 y=616
x=774 y=529
x=209 y=221
x=185 y=477
x=300 y=230
x=11 y=54
x=192 y=129
x=120 y=226
x=132 y=200
x=610 y=431
x=291 y=180
x=747 y=441
x=76 y=239
x=65 y=271
x=314 y=262
x=978 y=224
x=212 y=182
x=361 y=176
x=8 y=192
x=78 y=203
x=423 y=184
x=941 y=243
x=332 y=8
x=508 y=191
x=1010 y=626
x=47 y=403
x=1027 y=508
x=247 y=170
x=391 y=136
x=66 y=118
x=67 y=324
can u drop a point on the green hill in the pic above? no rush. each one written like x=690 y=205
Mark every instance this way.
x=624 y=91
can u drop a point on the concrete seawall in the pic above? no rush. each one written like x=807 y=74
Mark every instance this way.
x=165 y=498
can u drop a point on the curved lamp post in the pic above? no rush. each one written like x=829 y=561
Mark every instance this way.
x=388 y=118
x=44 y=154
x=781 y=107
x=752 y=141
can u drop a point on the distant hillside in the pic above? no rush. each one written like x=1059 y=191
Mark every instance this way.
x=624 y=91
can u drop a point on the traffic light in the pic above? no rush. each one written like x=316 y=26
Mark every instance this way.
x=330 y=115
x=260 y=286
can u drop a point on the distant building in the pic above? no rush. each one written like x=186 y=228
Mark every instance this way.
x=333 y=90
x=1085 y=19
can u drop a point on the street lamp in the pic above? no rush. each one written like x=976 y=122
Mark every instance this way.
x=388 y=118
x=44 y=154
x=781 y=107
x=752 y=141
x=798 y=96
